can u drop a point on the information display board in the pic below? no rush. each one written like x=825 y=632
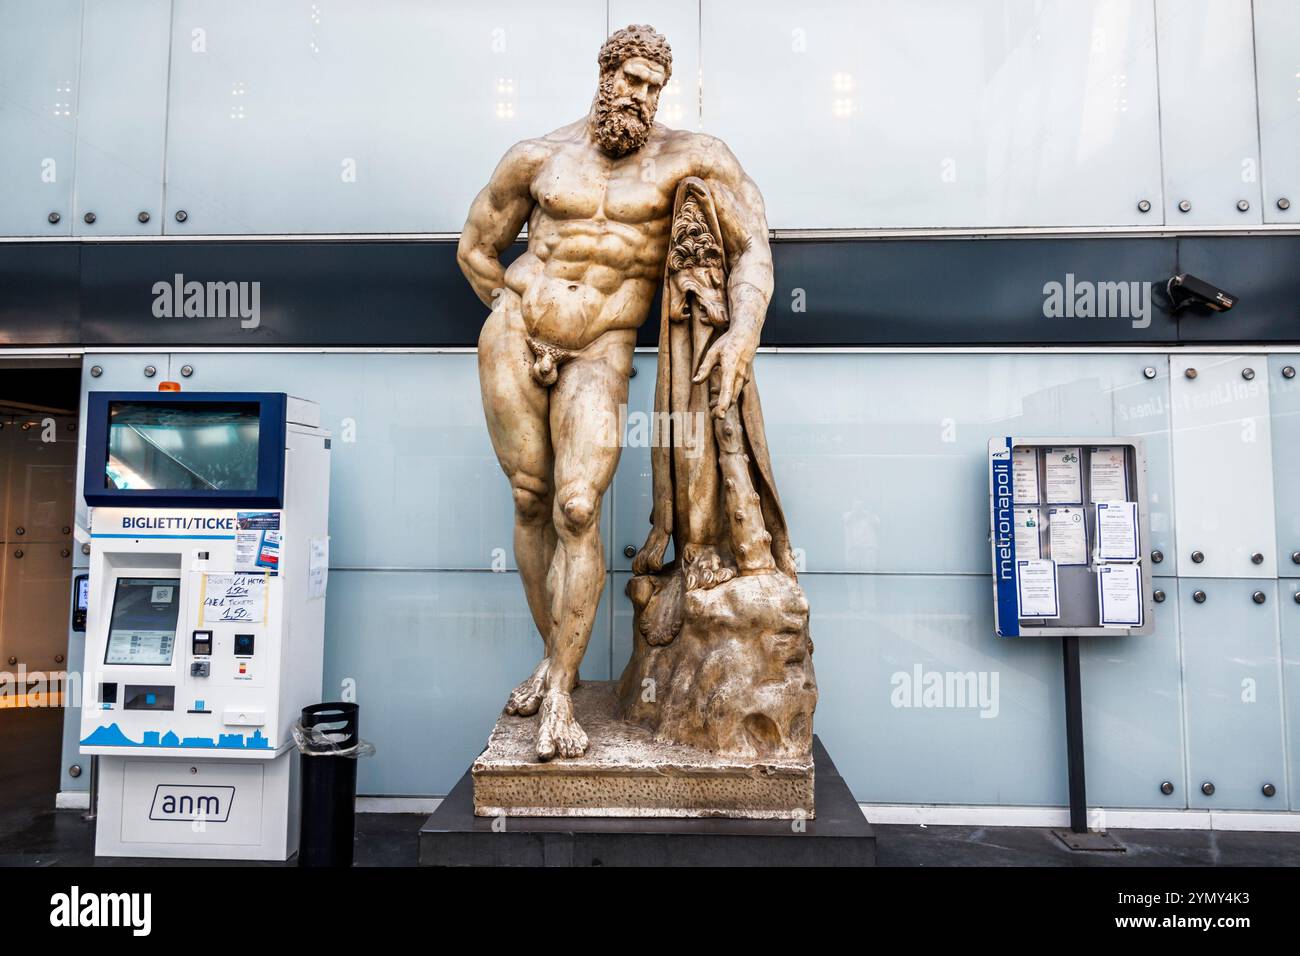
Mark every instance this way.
x=1068 y=524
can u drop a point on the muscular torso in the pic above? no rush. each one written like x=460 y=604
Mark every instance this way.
x=598 y=235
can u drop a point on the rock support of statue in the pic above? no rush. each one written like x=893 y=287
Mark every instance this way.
x=722 y=632
x=616 y=205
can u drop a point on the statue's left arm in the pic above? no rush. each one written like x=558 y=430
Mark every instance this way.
x=749 y=280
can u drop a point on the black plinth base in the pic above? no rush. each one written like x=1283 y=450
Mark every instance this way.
x=838 y=836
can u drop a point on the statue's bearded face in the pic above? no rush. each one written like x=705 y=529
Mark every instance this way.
x=626 y=102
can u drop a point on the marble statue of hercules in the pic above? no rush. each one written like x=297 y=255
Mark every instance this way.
x=555 y=354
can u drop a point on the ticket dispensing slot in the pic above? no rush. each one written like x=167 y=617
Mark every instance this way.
x=150 y=697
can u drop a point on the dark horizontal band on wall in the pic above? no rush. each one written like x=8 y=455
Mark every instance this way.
x=883 y=292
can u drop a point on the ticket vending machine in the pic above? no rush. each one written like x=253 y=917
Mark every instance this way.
x=205 y=623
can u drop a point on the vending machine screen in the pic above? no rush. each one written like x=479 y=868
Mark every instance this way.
x=142 y=629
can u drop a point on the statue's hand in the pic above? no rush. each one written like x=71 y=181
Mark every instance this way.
x=731 y=353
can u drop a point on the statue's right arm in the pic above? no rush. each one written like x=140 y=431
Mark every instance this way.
x=497 y=214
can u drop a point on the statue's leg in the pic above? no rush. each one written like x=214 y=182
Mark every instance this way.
x=518 y=411
x=584 y=414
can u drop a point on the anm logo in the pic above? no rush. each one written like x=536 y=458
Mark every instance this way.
x=188 y=802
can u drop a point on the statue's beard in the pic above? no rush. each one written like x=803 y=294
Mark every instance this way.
x=619 y=128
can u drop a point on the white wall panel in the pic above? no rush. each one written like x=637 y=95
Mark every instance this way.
x=1232 y=688
x=343 y=116
x=121 y=122
x=1284 y=404
x=1223 y=465
x=347 y=116
x=1289 y=625
x=1208 y=128
x=945 y=113
x=39 y=53
x=1277 y=64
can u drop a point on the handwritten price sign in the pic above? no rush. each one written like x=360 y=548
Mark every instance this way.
x=238 y=598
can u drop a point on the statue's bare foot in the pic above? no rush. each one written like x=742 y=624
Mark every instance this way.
x=704 y=567
x=559 y=733
x=527 y=697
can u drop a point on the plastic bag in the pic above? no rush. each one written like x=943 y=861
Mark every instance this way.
x=313 y=742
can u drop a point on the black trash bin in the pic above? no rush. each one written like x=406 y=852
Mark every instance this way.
x=330 y=745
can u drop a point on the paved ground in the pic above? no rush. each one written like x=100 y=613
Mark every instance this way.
x=1036 y=846
x=32 y=833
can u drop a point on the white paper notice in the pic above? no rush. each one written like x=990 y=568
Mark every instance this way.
x=1027 y=527
x=238 y=598
x=1036 y=581
x=1024 y=475
x=318 y=566
x=247 y=544
x=1119 y=595
x=1067 y=535
x=1064 y=476
x=1117 y=531
x=1108 y=475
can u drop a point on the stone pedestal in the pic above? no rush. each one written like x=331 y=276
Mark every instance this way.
x=839 y=836
x=627 y=772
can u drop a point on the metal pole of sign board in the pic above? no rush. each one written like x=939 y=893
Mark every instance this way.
x=1078 y=837
x=1074 y=735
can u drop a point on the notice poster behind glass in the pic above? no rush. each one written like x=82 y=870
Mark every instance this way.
x=1067 y=536
x=1028 y=527
x=1119 y=595
x=1108 y=474
x=1024 y=475
x=1038 y=589
x=1117 y=531
x=1063 y=475
x=1070 y=562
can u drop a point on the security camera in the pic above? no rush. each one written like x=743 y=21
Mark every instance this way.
x=1186 y=289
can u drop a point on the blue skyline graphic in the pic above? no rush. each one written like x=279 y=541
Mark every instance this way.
x=111 y=736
